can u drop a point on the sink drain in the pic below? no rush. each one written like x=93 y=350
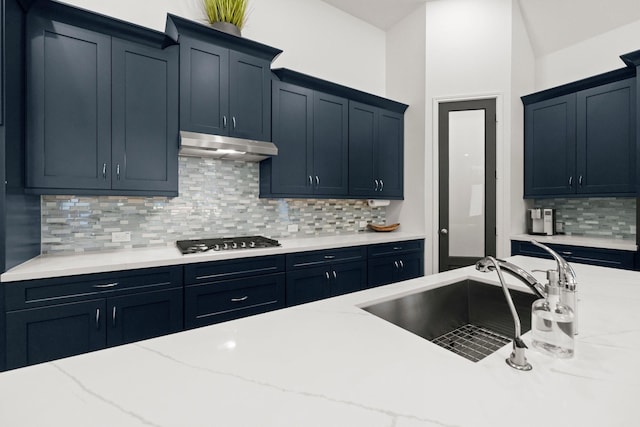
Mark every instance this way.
x=472 y=342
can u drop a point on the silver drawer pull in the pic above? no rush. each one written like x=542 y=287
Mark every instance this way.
x=401 y=264
x=335 y=275
x=397 y=248
x=329 y=256
x=567 y=253
x=326 y=274
x=244 y=298
x=113 y=317
x=108 y=285
x=396 y=264
x=97 y=318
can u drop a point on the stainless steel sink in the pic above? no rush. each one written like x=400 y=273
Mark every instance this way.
x=469 y=318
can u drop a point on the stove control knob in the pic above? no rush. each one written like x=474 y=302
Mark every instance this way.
x=225 y=245
x=234 y=245
x=216 y=247
x=243 y=245
x=252 y=244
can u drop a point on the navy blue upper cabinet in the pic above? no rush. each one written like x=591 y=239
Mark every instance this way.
x=102 y=110
x=225 y=81
x=550 y=146
x=145 y=117
x=333 y=141
x=310 y=131
x=582 y=143
x=376 y=152
x=606 y=131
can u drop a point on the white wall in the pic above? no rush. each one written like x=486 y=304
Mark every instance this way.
x=316 y=38
x=522 y=83
x=587 y=58
x=406 y=62
x=468 y=55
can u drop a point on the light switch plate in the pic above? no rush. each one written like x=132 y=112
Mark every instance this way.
x=292 y=228
x=120 y=236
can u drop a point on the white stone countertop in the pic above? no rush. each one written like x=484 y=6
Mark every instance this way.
x=45 y=266
x=329 y=363
x=589 y=242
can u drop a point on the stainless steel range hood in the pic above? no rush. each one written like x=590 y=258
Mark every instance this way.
x=225 y=147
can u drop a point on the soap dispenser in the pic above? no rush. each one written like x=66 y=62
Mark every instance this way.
x=552 y=322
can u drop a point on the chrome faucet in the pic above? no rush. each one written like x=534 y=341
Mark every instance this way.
x=517 y=359
x=488 y=264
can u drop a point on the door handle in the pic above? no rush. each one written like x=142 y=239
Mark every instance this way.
x=233 y=120
x=580 y=180
x=326 y=274
x=444 y=231
x=401 y=265
x=118 y=171
x=396 y=264
x=310 y=180
x=335 y=275
x=570 y=181
x=97 y=318
x=377 y=185
x=113 y=317
x=317 y=181
x=381 y=185
x=224 y=121
x=104 y=171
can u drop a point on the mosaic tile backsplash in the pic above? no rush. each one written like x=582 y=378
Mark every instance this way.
x=597 y=217
x=217 y=198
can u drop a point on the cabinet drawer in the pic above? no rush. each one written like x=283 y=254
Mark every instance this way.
x=232 y=299
x=385 y=249
x=58 y=290
x=614 y=258
x=216 y=271
x=329 y=256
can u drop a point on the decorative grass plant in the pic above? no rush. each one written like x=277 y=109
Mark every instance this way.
x=231 y=11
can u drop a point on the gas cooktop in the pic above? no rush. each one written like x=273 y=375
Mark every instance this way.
x=225 y=243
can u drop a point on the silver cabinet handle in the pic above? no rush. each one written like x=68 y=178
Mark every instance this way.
x=97 y=318
x=335 y=275
x=381 y=185
x=108 y=285
x=396 y=264
x=233 y=120
x=244 y=298
x=397 y=248
x=566 y=253
x=113 y=317
x=401 y=265
x=329 y=256
x=570 y=181
x=118 y=171
x=377 y=184
x=224 y=121
x=104 y=171
x=326 y=273
x=317 y=181
x=580 y=180
x=310 y=180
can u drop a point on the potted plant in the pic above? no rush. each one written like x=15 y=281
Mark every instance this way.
x=226 y=15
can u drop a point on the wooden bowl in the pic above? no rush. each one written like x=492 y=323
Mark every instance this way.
x=376 y=227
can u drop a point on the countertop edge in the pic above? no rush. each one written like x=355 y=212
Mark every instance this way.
x=50 y=266
x=590 y=242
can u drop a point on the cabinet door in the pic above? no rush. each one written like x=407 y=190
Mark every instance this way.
x=293 y=135
x=390 y=154
x=249 y=97
x=231 y=299
x=42 y=334
x=363 y=131
x=349 y=277
x=204 y=89
x=382 y=271
x=68 y=106
x=549 y=147
x=2 y=67
x=145 y=117
x=146 y=315
x=606 y=150
x=411 y=266
x=330 y=145
x=308 y=285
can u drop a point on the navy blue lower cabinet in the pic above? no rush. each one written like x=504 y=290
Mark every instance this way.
x=602 y=257
x=220 y=301
x=394 y=262
x=51 y=318
x=332 y=279
x=42 y=334
x=145 y=315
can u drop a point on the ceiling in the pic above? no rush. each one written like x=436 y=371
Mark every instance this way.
x=551 y=24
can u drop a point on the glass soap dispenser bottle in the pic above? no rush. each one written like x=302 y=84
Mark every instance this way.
x=552 y=323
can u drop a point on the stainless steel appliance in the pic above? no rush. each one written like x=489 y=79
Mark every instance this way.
x=225 y=243
x=541 y=221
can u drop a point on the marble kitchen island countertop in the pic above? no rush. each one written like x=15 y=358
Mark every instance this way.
x=45 y=266
x=329 y=363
